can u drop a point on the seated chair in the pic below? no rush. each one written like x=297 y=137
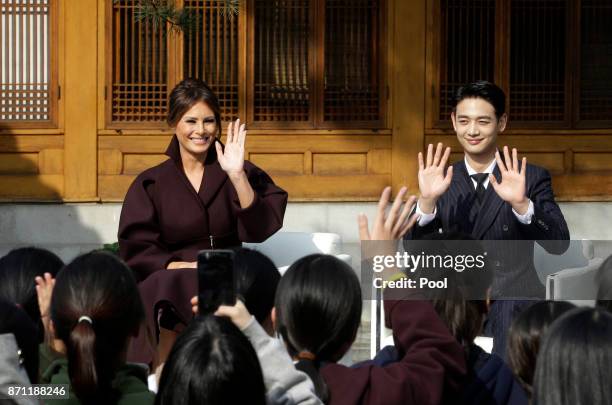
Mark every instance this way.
x=577 y=283
x=284 y=248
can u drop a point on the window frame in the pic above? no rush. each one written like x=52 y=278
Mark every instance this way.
x=54 y=74
x=502 y=50
x=246 y=72
x=171 y=49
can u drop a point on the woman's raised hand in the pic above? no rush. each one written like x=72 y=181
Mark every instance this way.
x=232 y=158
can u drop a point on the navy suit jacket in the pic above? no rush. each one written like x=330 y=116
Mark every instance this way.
x=459 y=211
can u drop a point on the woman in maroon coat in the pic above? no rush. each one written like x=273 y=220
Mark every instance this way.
x=205 y=196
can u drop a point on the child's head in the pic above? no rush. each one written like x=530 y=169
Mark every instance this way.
x=526 y=334
x=95 y=308
x=17 y=272
x=318 y=307
x=211 y=363
x=574 y=365
x=318 y=311
x=256 y=279
x=15 y=321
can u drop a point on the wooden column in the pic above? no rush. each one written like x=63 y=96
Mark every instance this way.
x=407 y=90
x=80 y=97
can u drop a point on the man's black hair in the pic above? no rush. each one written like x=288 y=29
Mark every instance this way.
x=485 y=90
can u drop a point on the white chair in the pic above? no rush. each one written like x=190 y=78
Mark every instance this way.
x=570 y=276
x=578 y=284
x=284 y=248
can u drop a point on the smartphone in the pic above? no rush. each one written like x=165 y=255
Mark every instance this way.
x=215 y=280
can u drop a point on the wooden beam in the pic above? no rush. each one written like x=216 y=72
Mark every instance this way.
x=30 y=143
x=80 y=97
x=408 y=89
x=266 y=143
x=539 y=143
x=42 y=187
x=365 y=187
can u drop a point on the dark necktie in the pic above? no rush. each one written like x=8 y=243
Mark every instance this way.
x=480 y=190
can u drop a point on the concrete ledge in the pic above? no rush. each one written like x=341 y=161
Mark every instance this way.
x=70 y=229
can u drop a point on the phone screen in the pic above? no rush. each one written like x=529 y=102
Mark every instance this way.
x=215 y=279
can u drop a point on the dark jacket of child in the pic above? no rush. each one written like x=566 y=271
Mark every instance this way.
x=489 y=380
x=431 y=363
x=130 y=381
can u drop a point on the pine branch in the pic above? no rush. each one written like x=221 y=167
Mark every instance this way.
x=231 y=8
x=162 y=12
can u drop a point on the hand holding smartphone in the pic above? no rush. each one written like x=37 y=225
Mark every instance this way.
x=216 y=280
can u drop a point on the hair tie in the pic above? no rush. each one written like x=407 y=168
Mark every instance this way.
x=306 y=355
x=86 y=319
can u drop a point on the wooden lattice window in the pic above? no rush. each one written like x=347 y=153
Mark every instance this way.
x=282 y=61
x=537 y=61
x=29 y=87
x=352 y=46
x=534 y=50
x=285 y=63
x=139 y=76
x=596 y=62
x=211 y=52
x=467 y=57
x=317 y=63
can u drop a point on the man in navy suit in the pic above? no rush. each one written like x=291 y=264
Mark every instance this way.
x=491 y=196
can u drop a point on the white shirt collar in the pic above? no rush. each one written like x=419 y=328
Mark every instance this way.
x=488 y=170
x=471 y=171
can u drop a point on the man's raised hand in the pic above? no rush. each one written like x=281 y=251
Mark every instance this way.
x=513 y=180
x=433 y=182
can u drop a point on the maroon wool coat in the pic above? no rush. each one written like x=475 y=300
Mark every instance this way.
x=164 y=219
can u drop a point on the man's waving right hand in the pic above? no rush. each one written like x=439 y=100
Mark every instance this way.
x=432 y=180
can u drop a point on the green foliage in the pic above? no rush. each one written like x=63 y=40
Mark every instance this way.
x=112 y=247
x=162 y=12
x=231 y=7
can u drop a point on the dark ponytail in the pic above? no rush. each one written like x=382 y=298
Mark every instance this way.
x=318 y=311
x=83 y=370
x=312 y=369
x=95 y=307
